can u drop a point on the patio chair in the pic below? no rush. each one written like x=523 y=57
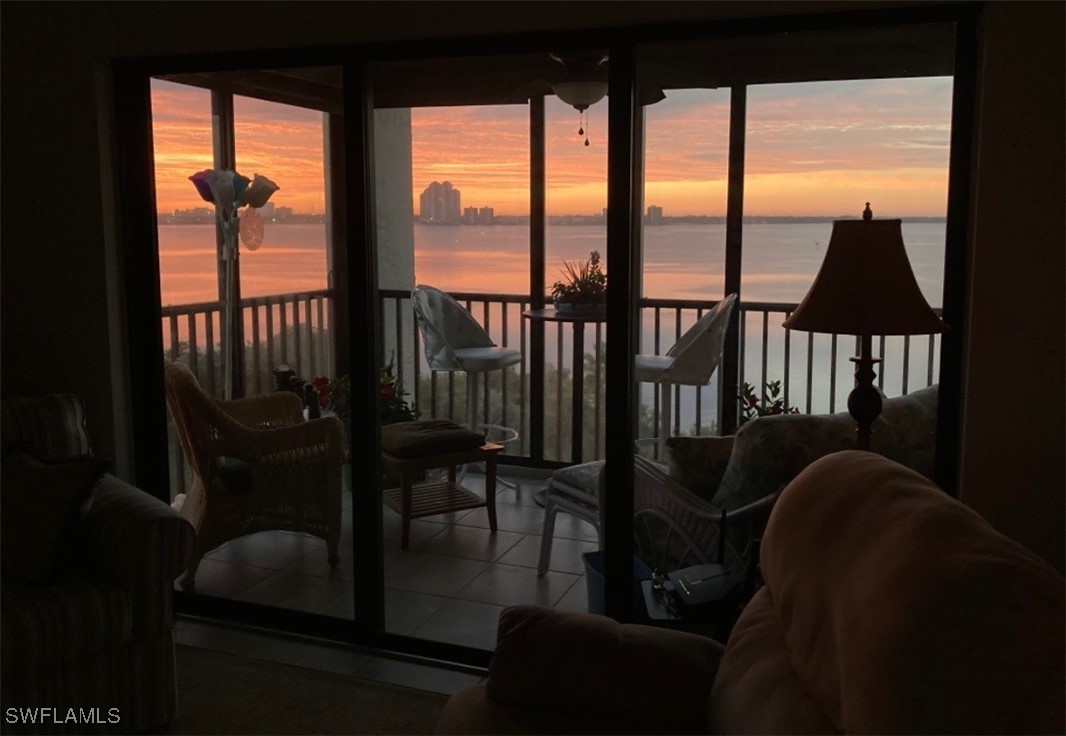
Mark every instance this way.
x=577 y=490
x=257 y=466
x=690 y=362
x=454 y=341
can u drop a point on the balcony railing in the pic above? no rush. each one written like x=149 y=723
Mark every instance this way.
x=814 y=370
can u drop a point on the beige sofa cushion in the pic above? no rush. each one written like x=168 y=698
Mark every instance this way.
x=901 y=611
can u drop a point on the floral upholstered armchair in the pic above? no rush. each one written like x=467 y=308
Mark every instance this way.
x=732 y=482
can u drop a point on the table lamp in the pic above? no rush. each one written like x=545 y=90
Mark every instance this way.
x=865 y=287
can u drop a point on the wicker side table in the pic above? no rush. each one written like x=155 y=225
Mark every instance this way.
x=412 y=501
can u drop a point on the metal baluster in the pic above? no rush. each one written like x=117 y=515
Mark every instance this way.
x=485 y=375
x=810 y=368
x=320 y=343
x=523 y=430
x=209 y=347
x=398 y=312
x=271 y=365
x=765 y=343
x=190 y=320
x=297 y=347
x=675 y=420
x=699 y=392
x=881 y=373
x=788 y=360
x=505 y=371
x=283 y=324
x=175 y=347
x=311 y=363
x=655 y=408
x=256 y=350
x=597 y=424
x=906 y=362
x=833 y=374
x=559 y=423
x=929 y=366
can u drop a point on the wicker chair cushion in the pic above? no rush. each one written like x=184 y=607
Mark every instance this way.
x=429 y=437
x=40 y=504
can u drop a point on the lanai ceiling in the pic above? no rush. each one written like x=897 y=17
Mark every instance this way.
x=874 y=53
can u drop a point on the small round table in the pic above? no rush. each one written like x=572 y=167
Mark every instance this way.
x=579 y=317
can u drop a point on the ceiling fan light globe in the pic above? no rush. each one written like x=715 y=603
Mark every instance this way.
x=580 y=95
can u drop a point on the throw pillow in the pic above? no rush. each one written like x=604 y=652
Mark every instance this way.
x=698 y=463
x=39 y=505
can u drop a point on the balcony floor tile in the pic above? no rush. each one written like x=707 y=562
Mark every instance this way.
x=507 y=585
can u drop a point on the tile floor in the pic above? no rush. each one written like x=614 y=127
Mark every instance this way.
x=450 y=585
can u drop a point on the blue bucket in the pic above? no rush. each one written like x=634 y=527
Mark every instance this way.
x=595 y=564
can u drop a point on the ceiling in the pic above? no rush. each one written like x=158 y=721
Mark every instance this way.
x=905 y=51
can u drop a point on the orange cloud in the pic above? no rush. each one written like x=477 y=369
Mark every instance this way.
x=811 y=149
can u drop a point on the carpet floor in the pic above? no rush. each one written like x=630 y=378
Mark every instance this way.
x=226 y=694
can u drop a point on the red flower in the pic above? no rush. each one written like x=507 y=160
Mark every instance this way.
x=752 y=401
x=388 y=391
x=321 y=387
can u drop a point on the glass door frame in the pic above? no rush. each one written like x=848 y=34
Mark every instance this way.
x=137 y=234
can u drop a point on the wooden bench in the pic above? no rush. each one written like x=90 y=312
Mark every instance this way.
x=412 y=501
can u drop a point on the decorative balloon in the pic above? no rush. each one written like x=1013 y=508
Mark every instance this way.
x=251 y=228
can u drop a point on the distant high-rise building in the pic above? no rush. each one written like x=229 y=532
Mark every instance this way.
x=655 y=215
x=282 y=213
x=470 y=215
x=485 y=216
x=440 y=204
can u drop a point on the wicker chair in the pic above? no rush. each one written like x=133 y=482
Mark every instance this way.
x=674 y=528
x=257 y=466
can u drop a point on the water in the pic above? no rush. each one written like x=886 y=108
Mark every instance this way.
x=680 y=261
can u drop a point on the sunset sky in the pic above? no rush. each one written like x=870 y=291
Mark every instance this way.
x=812 y=149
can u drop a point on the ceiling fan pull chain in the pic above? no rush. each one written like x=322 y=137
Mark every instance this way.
x=586 y=126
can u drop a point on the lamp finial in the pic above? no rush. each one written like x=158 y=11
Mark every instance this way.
x=867 y=214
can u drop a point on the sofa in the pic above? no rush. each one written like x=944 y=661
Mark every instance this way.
x=888 y=607
x=89 y=563
x=732 y=480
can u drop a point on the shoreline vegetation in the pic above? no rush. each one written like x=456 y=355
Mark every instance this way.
x=197 y=218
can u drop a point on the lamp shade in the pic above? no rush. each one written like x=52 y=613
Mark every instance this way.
x=865 y=286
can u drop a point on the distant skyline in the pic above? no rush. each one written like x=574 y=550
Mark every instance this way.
x=814 y=149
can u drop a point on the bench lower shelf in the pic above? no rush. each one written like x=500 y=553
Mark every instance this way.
x=430 y=499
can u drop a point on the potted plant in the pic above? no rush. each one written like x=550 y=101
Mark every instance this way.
x=771 y=404
x=585 y=286
x=336 y=395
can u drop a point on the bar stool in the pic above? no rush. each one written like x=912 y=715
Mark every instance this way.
x=454 y=341
x=690 y=362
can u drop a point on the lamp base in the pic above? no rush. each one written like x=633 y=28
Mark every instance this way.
x=864 y=401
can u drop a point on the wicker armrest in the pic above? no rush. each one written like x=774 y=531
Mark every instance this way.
x=582 y=663
x=281 y=442
x=266 y=411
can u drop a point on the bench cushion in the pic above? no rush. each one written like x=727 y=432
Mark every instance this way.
x=427 y=438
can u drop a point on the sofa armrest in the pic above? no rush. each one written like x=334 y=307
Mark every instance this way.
x=135 y=540
x=576 y=662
